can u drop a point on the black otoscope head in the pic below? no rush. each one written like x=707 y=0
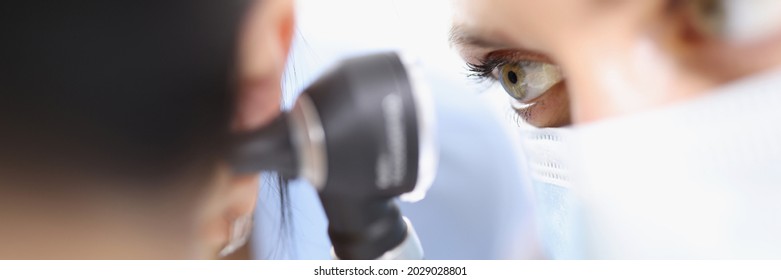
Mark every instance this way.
x=362 y=135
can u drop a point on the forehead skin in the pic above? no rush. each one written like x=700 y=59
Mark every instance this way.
x=544 y=26
x=494 y=23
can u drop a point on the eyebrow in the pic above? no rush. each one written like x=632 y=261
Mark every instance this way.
x=462 y=36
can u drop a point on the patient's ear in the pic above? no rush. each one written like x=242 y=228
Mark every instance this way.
x=264 y=45
x=226 y=219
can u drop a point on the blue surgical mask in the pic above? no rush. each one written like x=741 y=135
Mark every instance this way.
x=556 y=205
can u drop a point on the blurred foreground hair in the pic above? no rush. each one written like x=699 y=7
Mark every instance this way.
x=136 y=93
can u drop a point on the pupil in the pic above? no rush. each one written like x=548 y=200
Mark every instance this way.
x=512 y=77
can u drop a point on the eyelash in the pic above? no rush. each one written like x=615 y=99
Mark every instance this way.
x=484 y=70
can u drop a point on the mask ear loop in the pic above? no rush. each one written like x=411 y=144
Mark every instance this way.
x=239 y=235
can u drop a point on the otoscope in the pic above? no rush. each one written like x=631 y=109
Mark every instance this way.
x=362 y=135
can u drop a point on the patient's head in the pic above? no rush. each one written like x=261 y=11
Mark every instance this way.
x=115 y=118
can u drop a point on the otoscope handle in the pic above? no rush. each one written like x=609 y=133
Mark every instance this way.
x=409 y=249
x=370 y=230
x=362 y=229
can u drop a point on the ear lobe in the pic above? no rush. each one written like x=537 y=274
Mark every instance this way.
x=226 y=212
x=239 y=235
x=236 y=216
x=243 y=194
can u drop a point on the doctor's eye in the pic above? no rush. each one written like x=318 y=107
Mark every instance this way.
x=706 y=17
x=523 y=80
x=528 y=80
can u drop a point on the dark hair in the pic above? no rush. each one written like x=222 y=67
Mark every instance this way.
x=136 y=91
